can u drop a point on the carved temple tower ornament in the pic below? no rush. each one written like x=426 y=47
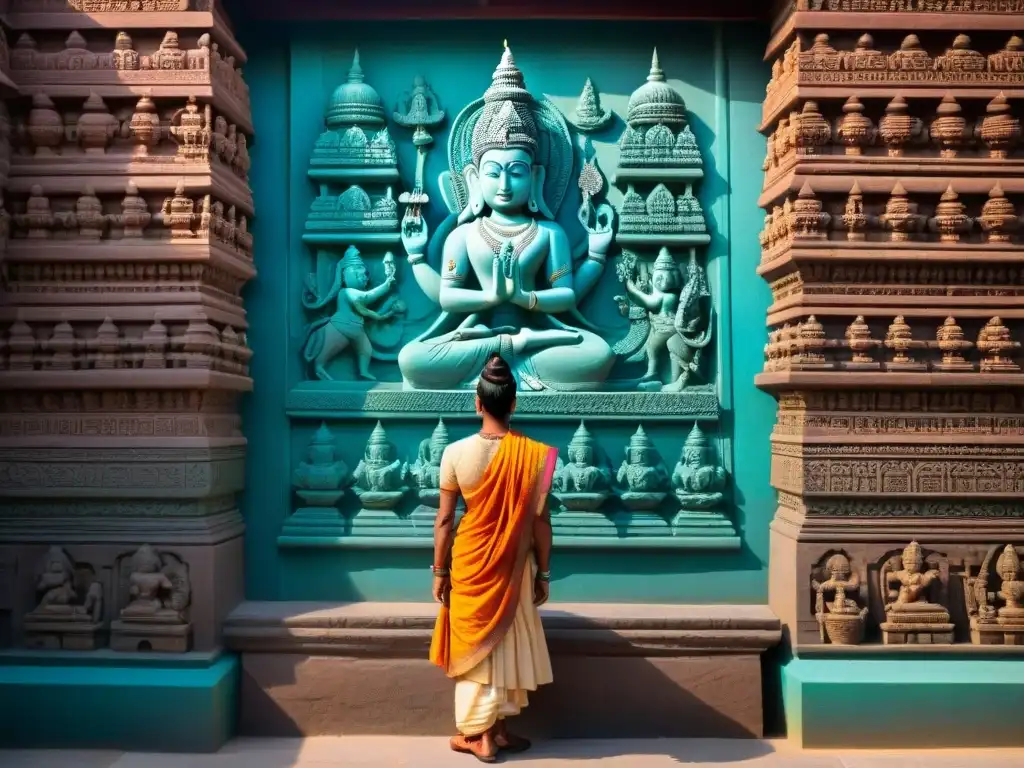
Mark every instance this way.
x=866 y=366
x=320 y=480
x=124 y=324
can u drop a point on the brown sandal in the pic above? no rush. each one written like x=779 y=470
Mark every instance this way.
x=471 y=746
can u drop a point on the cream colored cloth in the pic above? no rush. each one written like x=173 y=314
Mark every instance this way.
x=497 y=687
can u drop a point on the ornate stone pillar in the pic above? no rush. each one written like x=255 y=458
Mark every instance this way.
x=124 y=344
x=892 y=190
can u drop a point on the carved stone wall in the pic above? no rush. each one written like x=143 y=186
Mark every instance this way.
x=123 y=354
x=892 y=197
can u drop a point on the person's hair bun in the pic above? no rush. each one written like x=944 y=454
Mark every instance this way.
x=496 y=370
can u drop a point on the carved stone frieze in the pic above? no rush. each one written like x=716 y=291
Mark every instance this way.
x=904 y=347
x=197 y=62
x=63 y=347
x=909 y=6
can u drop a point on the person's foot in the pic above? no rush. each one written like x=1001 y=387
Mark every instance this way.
x=483 y=748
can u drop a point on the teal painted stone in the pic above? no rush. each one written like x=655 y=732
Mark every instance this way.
x=910 y=702
x=104 y=699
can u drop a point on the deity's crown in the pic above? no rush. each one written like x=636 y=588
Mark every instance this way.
x=378 y=437
x=665 y=261
x=352 y=258
x=1008 y=561
x=322 y=436
x=440 y=434
x=696 y=438
x=913 y=553
x=640 y=439
x=581 y=437
x=507 y=120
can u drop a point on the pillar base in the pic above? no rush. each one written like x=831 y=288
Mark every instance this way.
x=905 y=703
x=105 y=699
x=315 y=669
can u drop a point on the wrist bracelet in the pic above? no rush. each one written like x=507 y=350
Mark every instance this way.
x=543 y=575
x=439 y=570
x=415 y=258
x=599 y=258
x=533 y=300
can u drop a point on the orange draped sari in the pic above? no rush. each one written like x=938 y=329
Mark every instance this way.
x=490 y=552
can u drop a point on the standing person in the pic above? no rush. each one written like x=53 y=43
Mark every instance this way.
x=488 y=636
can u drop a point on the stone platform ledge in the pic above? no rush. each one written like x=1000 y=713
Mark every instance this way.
x=959 y=650
x=320 y=400
x=103 y=699
x=903 y=703
x=716 y=543
x=403 y=630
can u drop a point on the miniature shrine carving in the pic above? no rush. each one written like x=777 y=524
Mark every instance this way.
x=158 y=594
x=426 y=474
x=70 y=610
x=839 y=615
x=996 y=617
x=584 y=483
x=911 y=615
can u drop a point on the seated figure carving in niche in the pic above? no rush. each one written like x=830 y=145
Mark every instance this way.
x=506 y=266
x=330 y=336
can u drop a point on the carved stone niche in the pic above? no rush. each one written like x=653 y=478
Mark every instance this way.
x=839 y=591
x=914 y=587
x=70 y=603
x=154 y=594
x=994 y=596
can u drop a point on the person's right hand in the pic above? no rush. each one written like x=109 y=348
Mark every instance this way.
x=442 y=586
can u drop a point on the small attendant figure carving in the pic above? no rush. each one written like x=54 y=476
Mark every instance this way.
x=426 y=471
x=70 y=610
x=675 y=319
x=643 y=474
x=698 y=482
x=842 y=620
x=380 y=477
x=582 y=484
x=329 y=337
x=910 y=616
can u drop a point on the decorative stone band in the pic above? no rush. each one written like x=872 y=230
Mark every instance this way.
x=328 y=399
x=403 y=630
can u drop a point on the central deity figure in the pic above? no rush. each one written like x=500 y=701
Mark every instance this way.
x=506 y=266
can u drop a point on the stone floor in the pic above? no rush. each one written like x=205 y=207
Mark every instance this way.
x=364 y=752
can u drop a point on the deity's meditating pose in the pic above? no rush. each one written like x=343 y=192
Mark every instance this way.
x=492 y=577
x=506 y=266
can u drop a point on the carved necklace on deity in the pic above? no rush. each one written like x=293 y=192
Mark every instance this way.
x=498 y=238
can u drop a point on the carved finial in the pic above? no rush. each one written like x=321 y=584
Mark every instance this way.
x=656 y=74
x=355 y=72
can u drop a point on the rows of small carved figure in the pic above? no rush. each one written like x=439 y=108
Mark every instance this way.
x=87 y=219
x=806 y=346
x=169 y=64
x=905 y=62
x=914 y=596
x=141 y=128
x=71 y=346
x=900 y=219
x=993 y=132
x=78 y=604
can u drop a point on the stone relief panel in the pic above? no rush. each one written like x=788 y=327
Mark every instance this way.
x=947 y=594
x=503 y=275
x=392 y=497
